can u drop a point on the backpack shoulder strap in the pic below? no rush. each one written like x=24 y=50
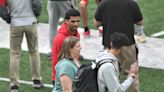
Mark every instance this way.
x=105 y=61
x=99 y=64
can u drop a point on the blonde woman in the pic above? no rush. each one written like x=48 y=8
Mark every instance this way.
x=68 y=64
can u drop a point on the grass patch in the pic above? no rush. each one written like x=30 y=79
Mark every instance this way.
x=25 y=70
x=151 y=80
x=44 y=16
x=153 y=15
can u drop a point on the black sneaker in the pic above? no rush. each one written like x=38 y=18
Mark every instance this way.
x=37 y=84
x=14 y=88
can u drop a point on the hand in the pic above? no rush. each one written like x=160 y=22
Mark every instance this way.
x=133 y=69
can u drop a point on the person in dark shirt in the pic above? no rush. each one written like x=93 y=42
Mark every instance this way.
x=120 y=16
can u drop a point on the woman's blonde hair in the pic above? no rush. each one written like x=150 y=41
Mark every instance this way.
x=68 y=44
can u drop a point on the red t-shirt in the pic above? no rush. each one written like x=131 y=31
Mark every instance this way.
x=3 y=2
x=63 y=32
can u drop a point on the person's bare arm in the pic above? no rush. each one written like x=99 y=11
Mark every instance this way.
x=66 y=83
x=97 y=23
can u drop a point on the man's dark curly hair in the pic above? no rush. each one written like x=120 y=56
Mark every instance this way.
x=72 y=12
x=118 y=40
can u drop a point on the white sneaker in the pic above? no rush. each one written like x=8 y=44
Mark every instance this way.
x=141 y=39
x=37 y=84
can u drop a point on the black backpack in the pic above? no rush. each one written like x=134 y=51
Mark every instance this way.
x=85 y=79
x=37 y=7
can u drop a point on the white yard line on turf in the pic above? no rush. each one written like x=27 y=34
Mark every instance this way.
x=25 y=82
x=157 y=34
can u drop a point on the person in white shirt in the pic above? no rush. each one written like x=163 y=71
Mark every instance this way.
x=108 y=73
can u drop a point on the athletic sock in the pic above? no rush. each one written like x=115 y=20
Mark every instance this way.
x=86 y=29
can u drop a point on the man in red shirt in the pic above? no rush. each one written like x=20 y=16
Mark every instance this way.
x=68 y=28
